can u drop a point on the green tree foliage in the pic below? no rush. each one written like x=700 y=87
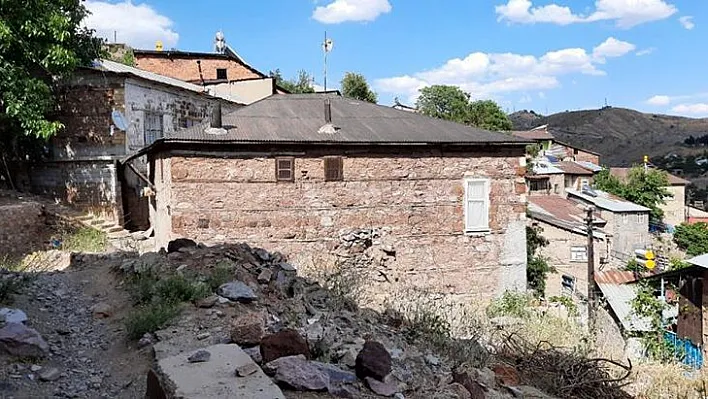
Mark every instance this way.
x=41 y=41
x=452 y=103
x=537 y=266
x=692 y=238
x=646 y=188
x=648 y=306
x=354 y=85
x=299 y=85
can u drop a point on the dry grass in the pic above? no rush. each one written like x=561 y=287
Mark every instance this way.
x=653 y=380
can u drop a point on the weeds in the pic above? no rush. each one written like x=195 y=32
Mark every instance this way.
x=84 y=239
x=222 y=274
x=150 y=318
x=512 y=304
x=178 y=289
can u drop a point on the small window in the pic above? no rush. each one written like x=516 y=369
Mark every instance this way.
x=152 y=127
x=539 y=185
x=568 y=282
x=476 y=205
x=556 y=189
x=285 y=169
x=578 y=254
x=221 y=74
x=334 y=169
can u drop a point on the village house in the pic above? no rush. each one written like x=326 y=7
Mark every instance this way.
x=300 y=173
x=675 y=209
x=627 y=223
x=110 y=111
x=563 y=224
x=559 y=151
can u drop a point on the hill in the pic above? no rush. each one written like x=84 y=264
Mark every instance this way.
x=623 y=136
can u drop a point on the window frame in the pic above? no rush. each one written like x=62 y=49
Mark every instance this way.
x=486 y=201
x=575 y=249
x=572 y=281
x=150 y=135
x=328 y=167
x=226 y=74
x=291 y=169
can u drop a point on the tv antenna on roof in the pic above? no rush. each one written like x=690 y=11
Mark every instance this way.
x=327 y=46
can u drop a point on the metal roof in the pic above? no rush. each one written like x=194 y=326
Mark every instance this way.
x=563 y=213
x=700 y=260
x=619 y=297
x=533 y=134
x=571 y=168
x=609 y=202
x=544 y=166
x=300 y=118
x=589 y=166
x=116 y=67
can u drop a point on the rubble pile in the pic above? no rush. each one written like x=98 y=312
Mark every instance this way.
x=298 y=333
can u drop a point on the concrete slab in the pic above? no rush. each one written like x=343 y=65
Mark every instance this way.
x=217 y=378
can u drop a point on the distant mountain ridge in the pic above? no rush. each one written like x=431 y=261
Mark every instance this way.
x=622 y=136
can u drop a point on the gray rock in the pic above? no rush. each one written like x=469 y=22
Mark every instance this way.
x=336 y=375
x=265 y=276
x=102 y=310
x=8 y=315
x=35 y=368
x=247 y=369
x=237 y=291
x=199 y=356
x=254 y=353
x=146 y=340
x=386 y=388
x=299 y=374
x=50 y=374
x=17 y=339
x=203 y=336
x=207 y=302
x=432 y=360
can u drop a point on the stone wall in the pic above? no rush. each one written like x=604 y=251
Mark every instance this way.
x=629 y=230
x=21 y=226
x=186 y=68
x=414 y=199
x=675 y=206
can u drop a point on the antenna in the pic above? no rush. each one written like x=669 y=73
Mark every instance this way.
x=327 y=46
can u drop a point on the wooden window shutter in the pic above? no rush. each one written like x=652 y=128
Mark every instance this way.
x=334 y=169
x=285 y=169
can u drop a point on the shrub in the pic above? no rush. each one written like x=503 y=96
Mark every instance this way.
x=222 y=274
x=514 y=304
x=179 y=289
x=567 y=302
x=150 y=318
x=85 y=239
x=142 y=288
x=692 y=238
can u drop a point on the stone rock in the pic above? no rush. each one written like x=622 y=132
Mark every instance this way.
x=283 y=343
x=237 y=291
x=461 y=392
x=203 y=336
x=254 y=353
x=19 y=340
x=265 y=276
x=199 y=356
x=343 y=391
x=336 y=375
x=176 y=245
x=486 y=377
x=35 y=368
x=432 y=360
x=102 y=310
x=506 y=375
x=528 y=392
x=8 y=315
x=297 y=373
x=50 y=374
x=469 y=379
x=386 y=388
x=146 y=340
x=373 y=361
x=207 y=302
x=248 y=329
x=246 y=369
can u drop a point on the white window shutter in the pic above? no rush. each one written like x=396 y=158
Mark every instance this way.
x=476 y=205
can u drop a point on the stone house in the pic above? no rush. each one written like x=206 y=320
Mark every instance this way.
x=675 y=209
x=558 y=151
x=564 y=226
x=627 y=223
x=303 y=174
x=109 y=112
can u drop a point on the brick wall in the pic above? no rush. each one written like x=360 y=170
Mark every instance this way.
x=414 y=198
x=186 y=68
x=21 y=226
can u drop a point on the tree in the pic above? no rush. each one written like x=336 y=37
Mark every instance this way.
x=692 y=238
x=643 y=187
x=452 y=103
x=537 y=267
x=302 y=84
x=41 y=42
x=354 y=85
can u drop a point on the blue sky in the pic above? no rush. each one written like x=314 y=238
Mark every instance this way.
x=546 y=55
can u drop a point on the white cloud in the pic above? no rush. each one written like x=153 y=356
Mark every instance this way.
x=659 y=100
x=646 y=51
x=611 y=48
x=138 y=25
x=695 y=109
x=339 y=11
x=687 y=22
x=486 y=75
x=625 y=13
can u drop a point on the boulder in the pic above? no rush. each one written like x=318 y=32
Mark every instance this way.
x=248 y=329
x=385 y=388
x=336 y=375
x=254 y=353
x=207 y=302
x=283 y=343
x=19 y=340
x=506 y=375
x=238 y=292
x=470 y=380
x=199 y=356
x=50 y=374
x=298 y=373
x=102 y=310
x=176 y=245
x=264 y=276
x=8 y=315
x=461 y=392
x=373 y=361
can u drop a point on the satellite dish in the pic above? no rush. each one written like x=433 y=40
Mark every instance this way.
x=119 y=120
x=328 y=45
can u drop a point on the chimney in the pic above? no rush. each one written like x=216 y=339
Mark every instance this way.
x=216 y=116
x=328 y=110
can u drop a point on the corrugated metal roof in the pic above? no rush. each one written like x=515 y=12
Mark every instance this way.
x=571 y=168
x=608 y=202
x=619 y=297
x=533 y=134
x=116 y=67
x=543 y=166
x=616 y=277
x=700 y=260
x=589 y=166
x=300 y=118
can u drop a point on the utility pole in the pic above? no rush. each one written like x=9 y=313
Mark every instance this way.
x=326 y=47
x=592 y=303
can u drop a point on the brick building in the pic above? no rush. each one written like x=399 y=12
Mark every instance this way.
x=110 y=111
x=298 y=173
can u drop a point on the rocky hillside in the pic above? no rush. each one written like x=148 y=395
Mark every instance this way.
x=623 y=136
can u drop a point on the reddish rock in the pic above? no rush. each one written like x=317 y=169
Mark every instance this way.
x=283 y=343
x=373 y=361
x=465 y=379
x=248 y=330
x=506 y=375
